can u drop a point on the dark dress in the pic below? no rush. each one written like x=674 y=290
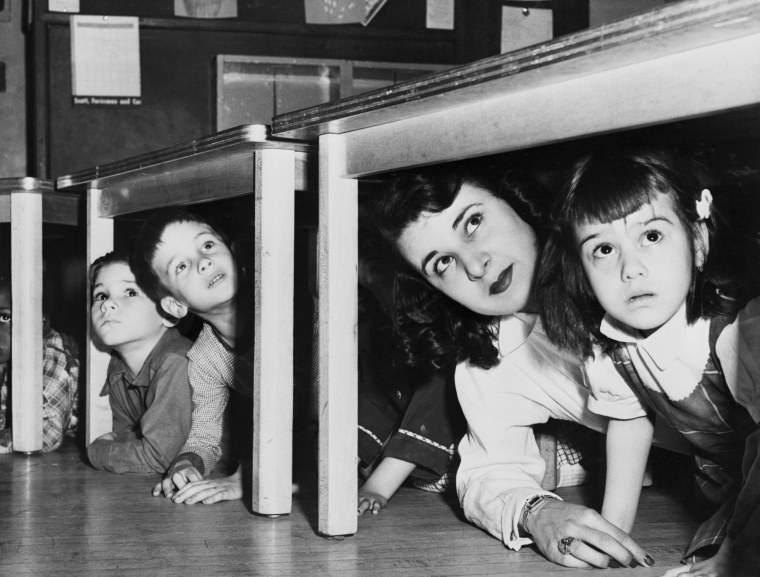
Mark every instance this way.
x=726 y=447
x=407 y=414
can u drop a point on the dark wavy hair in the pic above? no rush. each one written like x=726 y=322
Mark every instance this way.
x=607 y=185
x=433 y=329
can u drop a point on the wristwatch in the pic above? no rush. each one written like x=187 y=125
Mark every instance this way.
x=535 y=503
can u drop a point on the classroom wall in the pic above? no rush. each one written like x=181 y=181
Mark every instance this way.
x=13 y=98
x=606 y=11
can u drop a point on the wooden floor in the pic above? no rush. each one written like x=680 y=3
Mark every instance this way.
x=58 y=516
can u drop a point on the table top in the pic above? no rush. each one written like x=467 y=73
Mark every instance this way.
x=57 y=208
x=210 y=168
x=207 y=149
x=532 y=81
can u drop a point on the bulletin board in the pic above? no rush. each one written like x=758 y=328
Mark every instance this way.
x=178 y=75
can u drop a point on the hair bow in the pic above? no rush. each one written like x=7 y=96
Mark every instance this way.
x=704 y=204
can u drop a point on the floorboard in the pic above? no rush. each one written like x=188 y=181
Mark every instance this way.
x=58 y=516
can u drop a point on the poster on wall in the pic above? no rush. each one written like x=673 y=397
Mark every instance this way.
x=525 y=24
x=206 y=8
x=105 y=61
x=341 y=11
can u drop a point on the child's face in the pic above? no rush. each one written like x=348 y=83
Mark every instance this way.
x=639 y=267
x=478 y=252
x=196 y=267
x=121 y=313
x=5 y=323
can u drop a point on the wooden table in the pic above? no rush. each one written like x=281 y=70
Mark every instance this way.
x=686 y=60
x=235 y=162
x=26 y=203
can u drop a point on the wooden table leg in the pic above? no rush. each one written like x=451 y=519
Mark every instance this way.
x=337 y=276
x=26 y=332
x=99 y=242
x=273 y=360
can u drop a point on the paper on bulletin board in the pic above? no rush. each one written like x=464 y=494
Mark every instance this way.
x=440 y=14
x=522 y=27
x=206 y=8
x=334 y=11
x=71 y=6
x=105 y=60
x=341 y=11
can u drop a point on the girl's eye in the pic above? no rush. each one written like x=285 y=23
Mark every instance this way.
x=208 y=245
x=442 y=264
x=652 y=236
x=180 y=267
x=5 y=318
x=97 y=297
x=603 y=251
x=132 y=292
x=473 y=223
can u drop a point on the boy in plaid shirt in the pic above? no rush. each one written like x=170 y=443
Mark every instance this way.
x=59 y=380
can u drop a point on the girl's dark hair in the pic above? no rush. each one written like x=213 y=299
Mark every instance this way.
x=608 y=185
x=148 y=239
x=435 y=330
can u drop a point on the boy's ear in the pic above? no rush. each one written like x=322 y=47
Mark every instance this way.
x=169 y=322
x=702 y=242
x=173 y=307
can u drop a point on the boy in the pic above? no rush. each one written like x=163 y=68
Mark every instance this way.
x=147 y=382
x=59 y=380
x=186 y=265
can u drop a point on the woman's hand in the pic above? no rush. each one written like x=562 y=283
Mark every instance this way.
x=595 y=541
x=370 y=501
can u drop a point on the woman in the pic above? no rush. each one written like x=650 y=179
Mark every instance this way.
x=470 y=238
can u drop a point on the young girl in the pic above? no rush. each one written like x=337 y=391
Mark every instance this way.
x=638 y=269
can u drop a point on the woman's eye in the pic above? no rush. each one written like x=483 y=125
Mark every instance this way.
x=652 y=236
x=132 y=293
x=472 y=224
x=208 y=245
x=97 y=297
x=442 y=264
x=180 y=267
x=602 y=251
x=5 y=318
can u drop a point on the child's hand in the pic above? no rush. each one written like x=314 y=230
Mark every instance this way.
x=209 y=491
x=180 y=475
x=724 y=563
x=6 y=441
x=370 y=501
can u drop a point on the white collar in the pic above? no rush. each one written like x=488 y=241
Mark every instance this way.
x=514 y=330
x=663 y=346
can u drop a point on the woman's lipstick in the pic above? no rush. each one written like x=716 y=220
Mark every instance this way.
x=502 y=283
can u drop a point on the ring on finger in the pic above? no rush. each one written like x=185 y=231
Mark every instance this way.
x=564 y=544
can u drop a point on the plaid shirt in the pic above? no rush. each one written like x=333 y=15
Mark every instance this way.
x=213 y=369
x=60 y=377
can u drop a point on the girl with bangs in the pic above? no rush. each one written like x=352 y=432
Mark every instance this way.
x=639 y=267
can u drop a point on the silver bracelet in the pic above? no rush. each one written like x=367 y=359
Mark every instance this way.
x=532 y=505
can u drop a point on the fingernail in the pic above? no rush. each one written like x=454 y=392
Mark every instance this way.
x=649 y=560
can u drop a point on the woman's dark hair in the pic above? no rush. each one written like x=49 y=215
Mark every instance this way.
x=434 y=329
x=609 y=185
